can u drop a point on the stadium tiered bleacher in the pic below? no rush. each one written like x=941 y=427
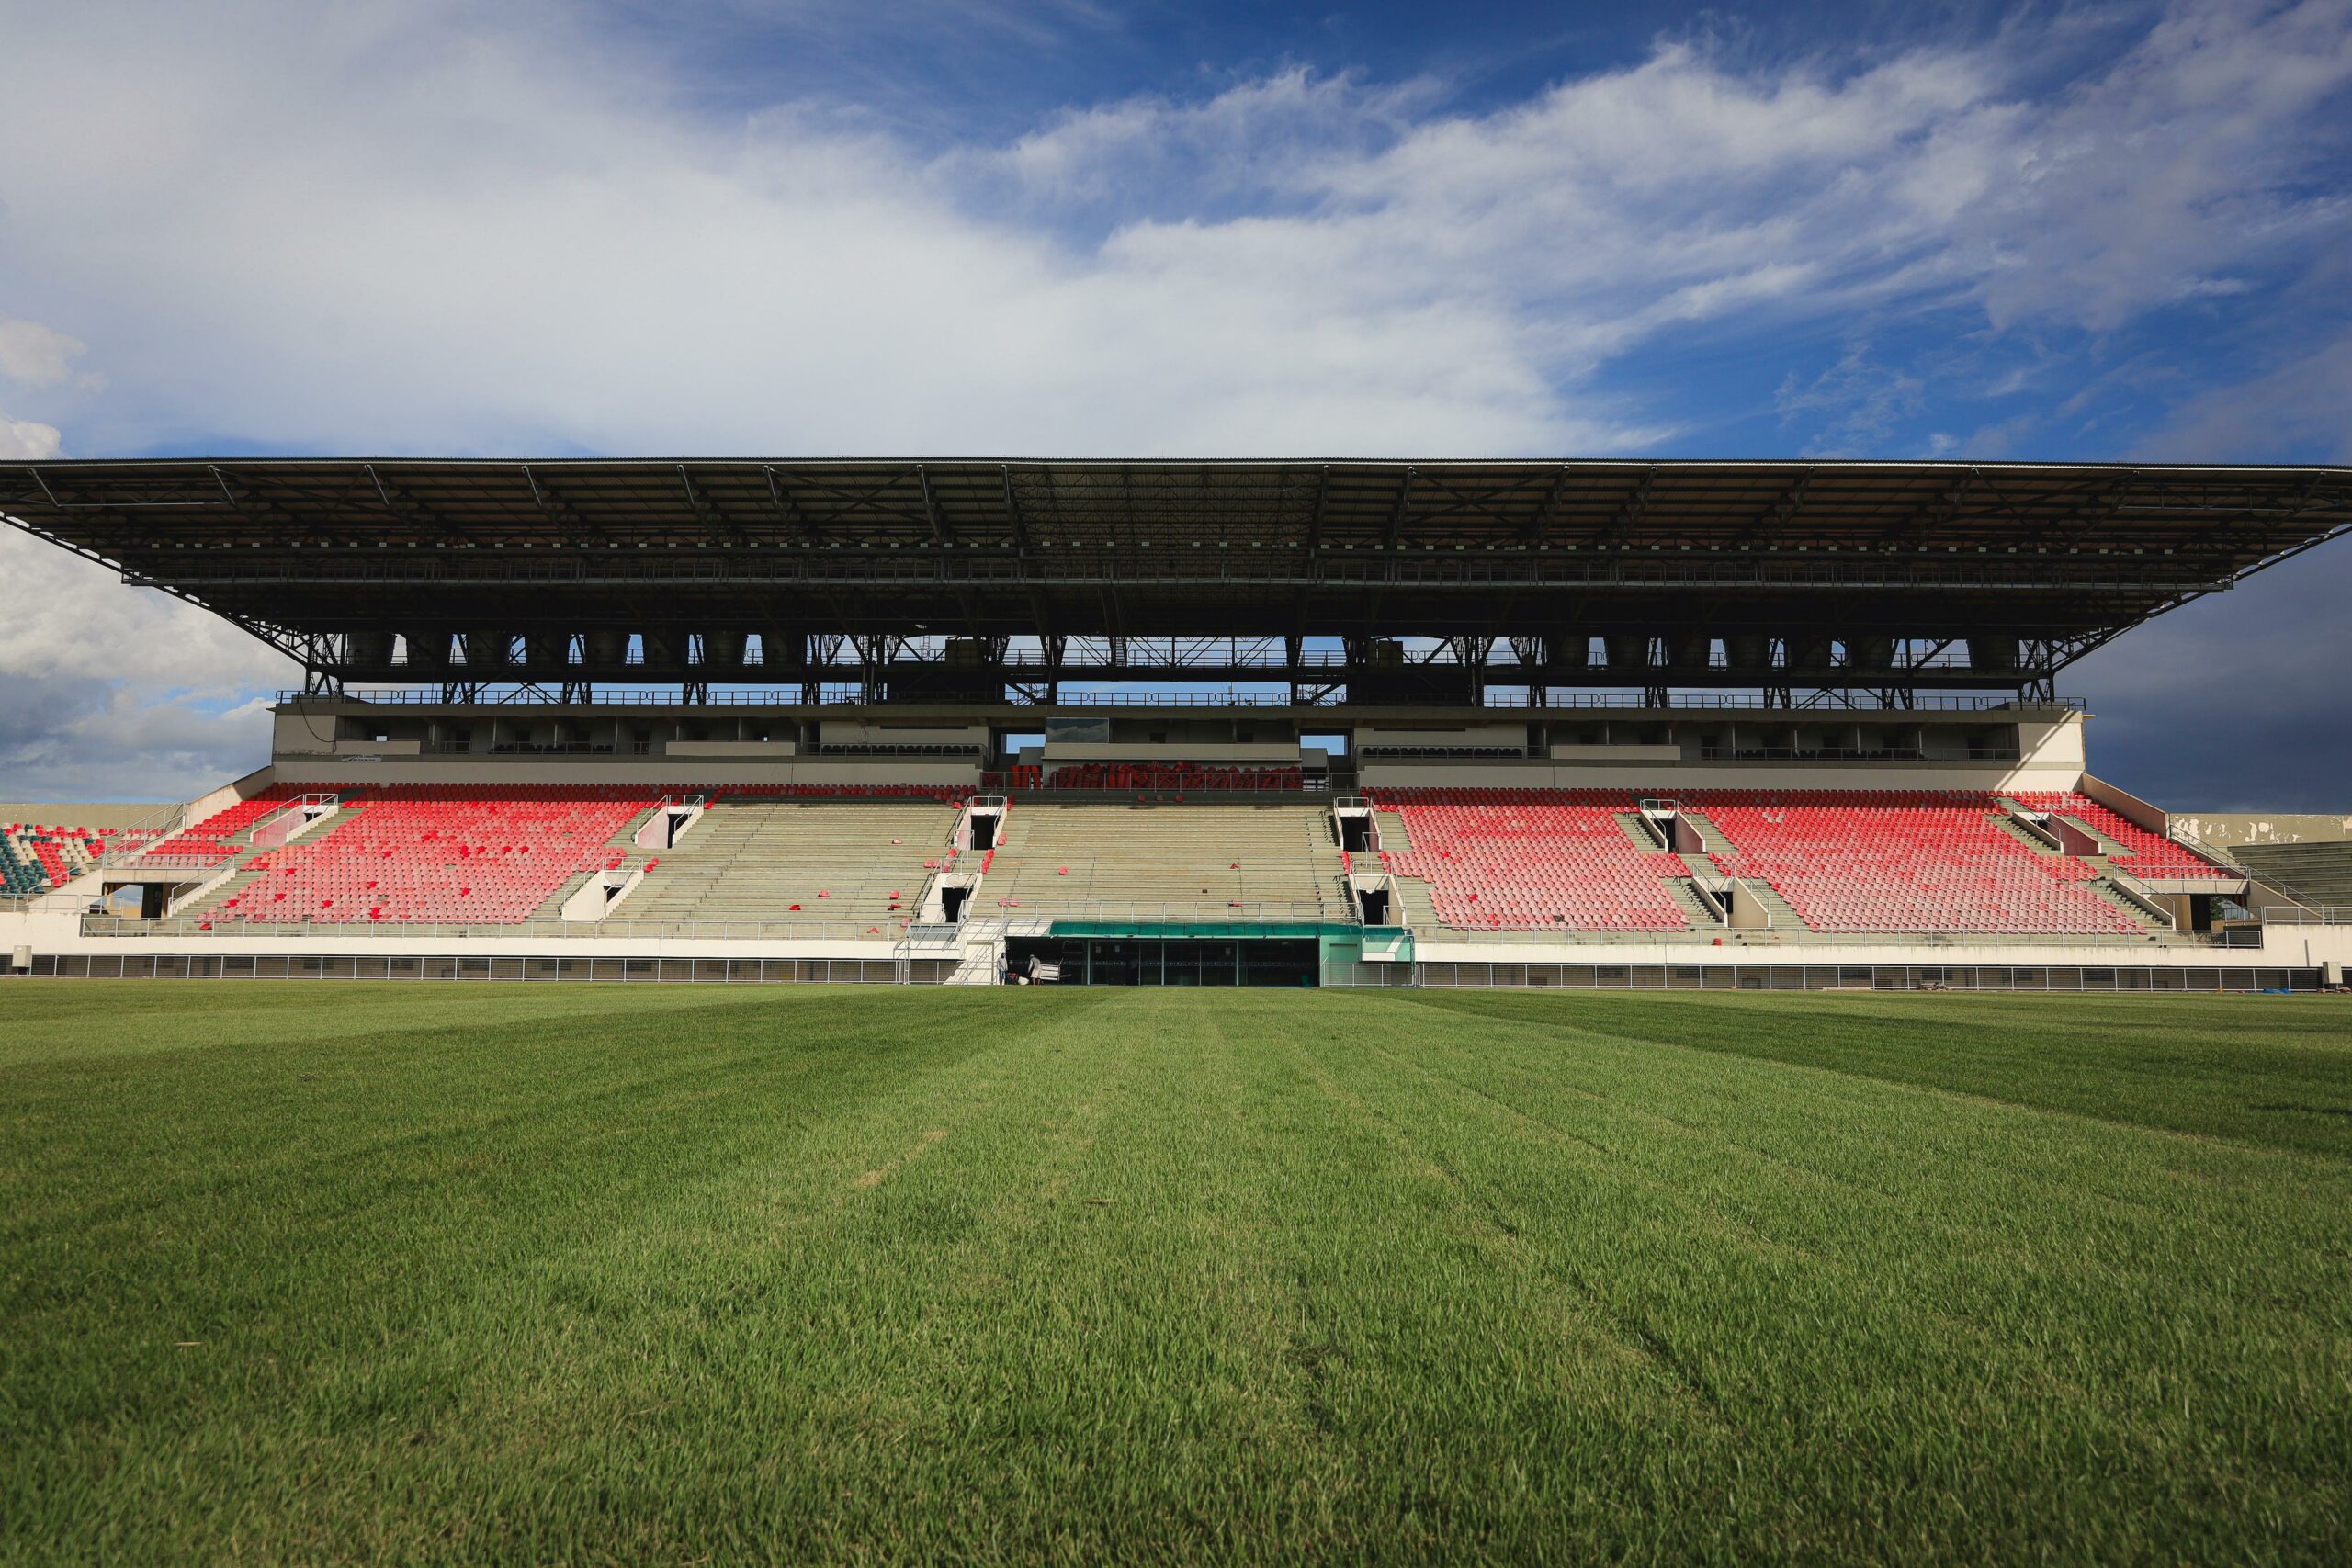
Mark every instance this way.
x=1536 y=860
x=216 y=837
x=1349 y=723
x=436 y=854
x=1904 y=861
x=39 y=858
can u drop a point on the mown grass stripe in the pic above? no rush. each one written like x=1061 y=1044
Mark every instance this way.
x=889 y=1275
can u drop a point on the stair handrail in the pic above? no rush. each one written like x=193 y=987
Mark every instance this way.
x=2187 y=840
x=2140 y=893
x=299 y=802
x=146 y=833
x=2304 y=915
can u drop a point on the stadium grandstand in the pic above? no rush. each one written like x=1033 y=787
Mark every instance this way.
x=960 y=721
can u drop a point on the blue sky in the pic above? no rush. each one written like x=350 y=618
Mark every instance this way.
x=820 y=226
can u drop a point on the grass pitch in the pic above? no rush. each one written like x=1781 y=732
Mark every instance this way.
x=665 y=1273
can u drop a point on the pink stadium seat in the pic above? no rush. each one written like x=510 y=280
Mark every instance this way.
x=444 y=853
x=1533 y=860
x=489 y=855
x=206 y=842
x=1902 y=860
x=2143 y=853
x=1845 y=860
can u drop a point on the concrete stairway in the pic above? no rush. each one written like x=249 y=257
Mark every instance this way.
x=1192 y=861
x=751 y=860
x=2319 y=874
x=1784 y=918
x=1702 y=914
x=1710 y=838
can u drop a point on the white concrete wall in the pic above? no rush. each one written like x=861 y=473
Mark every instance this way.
x=876 y=732
x=1664 y=777
x=71 y=814
x=61 y=934
x=2126 y=805
x=229 y=794
x=1514 y=734
x=730 y=751
x=2292 y=947
x=1586 y=755
x=2223 y=828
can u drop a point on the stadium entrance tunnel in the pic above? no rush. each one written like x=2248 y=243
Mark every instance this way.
x=1137 y=960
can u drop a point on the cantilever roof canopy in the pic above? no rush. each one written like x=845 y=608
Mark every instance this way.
x=311 y=552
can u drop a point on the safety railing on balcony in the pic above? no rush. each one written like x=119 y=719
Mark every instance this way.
x=508 y=691
x=191 y=926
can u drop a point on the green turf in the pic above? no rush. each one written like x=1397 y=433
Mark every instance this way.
x=681 y=1274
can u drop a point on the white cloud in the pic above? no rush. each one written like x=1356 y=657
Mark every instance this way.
x=2205 y=149
x=1862 y=401
x=117 y=693
x=450 y=226
x=35 y=355
x=26 y=439
x=446 y=225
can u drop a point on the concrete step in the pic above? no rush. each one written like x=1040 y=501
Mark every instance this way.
x=1702 y=914
x=2023 y=835
x=1784 y=915
x=1636 y=834
x=1711 y=837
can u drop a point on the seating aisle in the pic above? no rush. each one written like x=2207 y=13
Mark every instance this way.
x=760 y=857
x=1192 y=861
x=2141 y=852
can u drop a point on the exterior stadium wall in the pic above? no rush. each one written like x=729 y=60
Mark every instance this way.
x=677 y=773
x=2228 y=829
x=2051 y=756
x=57 y=931
x=69 y=814
x=2298 y=946
x=1664 y=777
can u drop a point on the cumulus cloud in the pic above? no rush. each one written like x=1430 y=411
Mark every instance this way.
x=445 y=225
x=28 y=438
x=121 y=694
x=36 y=354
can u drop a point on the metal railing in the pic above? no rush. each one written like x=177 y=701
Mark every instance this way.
x=1278 y=566
x=510 y=692
x=537 y=929
x=1785 y=936
x=127 y=843
x=1716 y=973
x=2214 y=852
x=2301 y=915
x=1848 y=701
x=1242 y=912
